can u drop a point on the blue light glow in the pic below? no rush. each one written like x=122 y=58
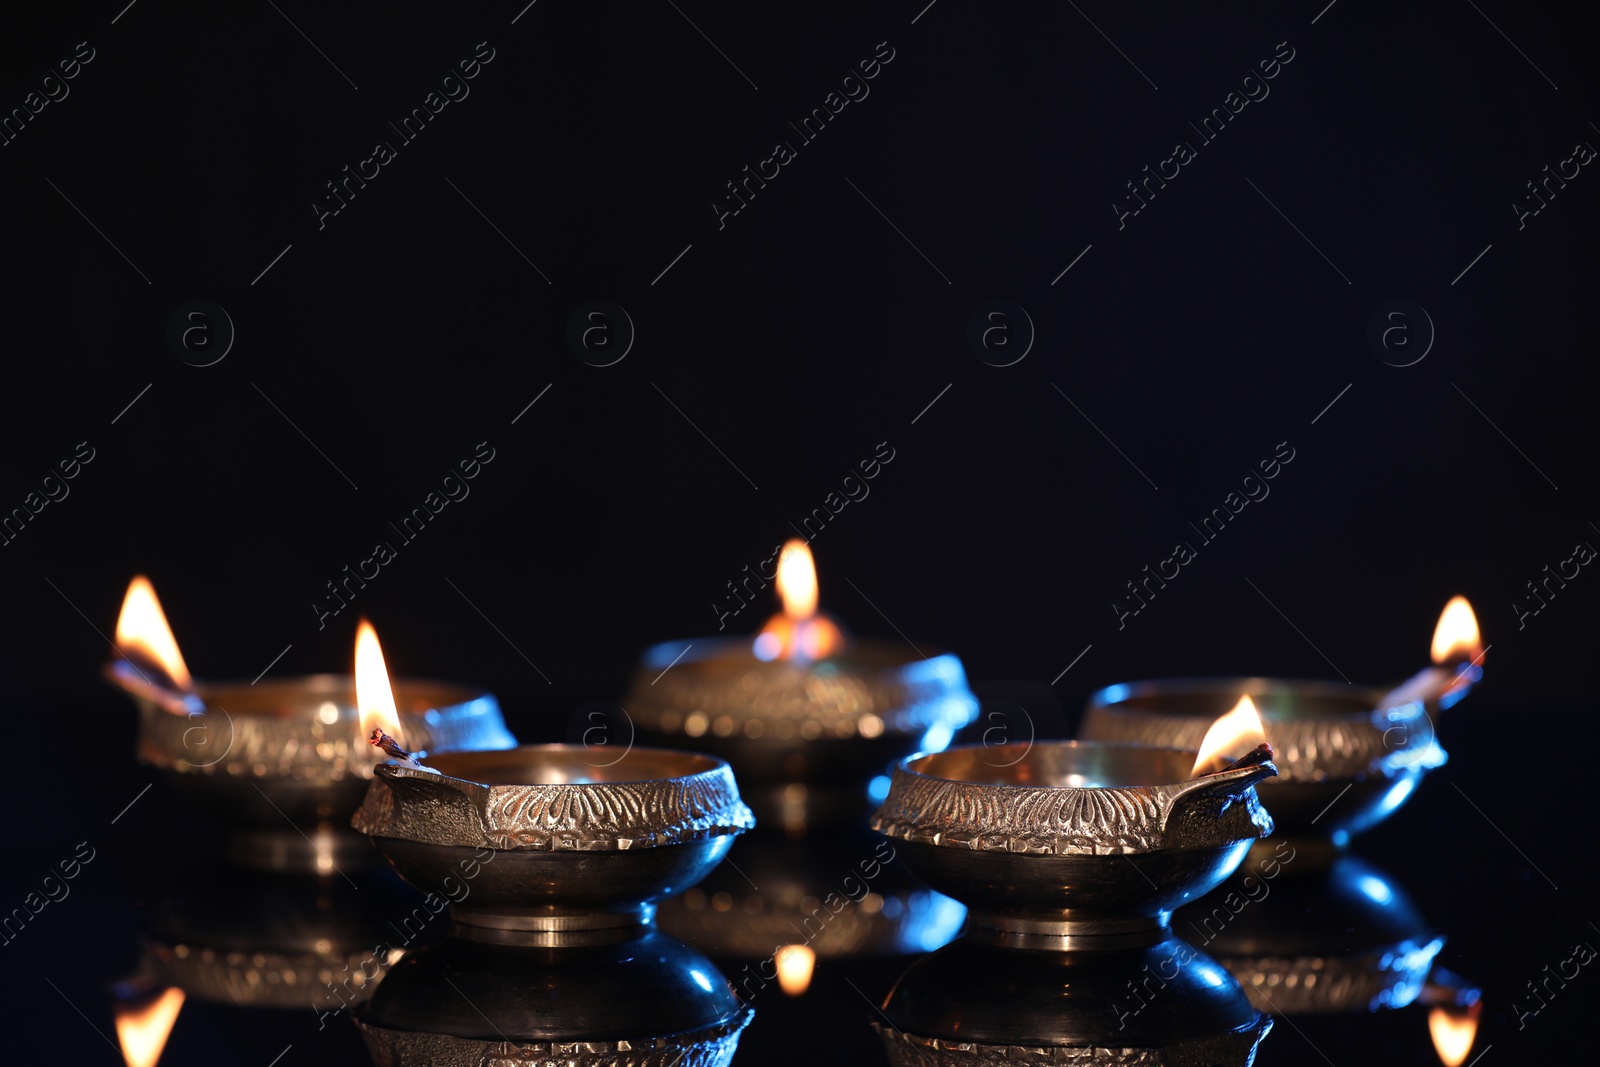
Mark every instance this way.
x=1115 y=694
x=932 y=922
x=878 y=789
x=938 y=737
x=1396 y=796
x=701 y=980
x=1375 y=889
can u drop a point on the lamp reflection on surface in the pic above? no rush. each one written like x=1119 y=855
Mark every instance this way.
x=143 y=1030
x=1454 y=1029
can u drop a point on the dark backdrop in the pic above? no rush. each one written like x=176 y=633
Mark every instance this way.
x=776 y=348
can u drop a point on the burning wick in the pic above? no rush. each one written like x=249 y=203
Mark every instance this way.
x=1240 y=727
x=391 y=748
x=375 y=699
x=1262 y=753
x=1457 y=655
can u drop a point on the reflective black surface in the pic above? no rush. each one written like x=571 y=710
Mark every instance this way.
x=641 y=984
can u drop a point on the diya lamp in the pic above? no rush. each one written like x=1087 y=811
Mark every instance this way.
x=553 y=866
x=972 y=1004
x=809 y=717
x=802 y=704
x=248 y=939
x=1348 y=755
x=1071 y=857
x=1346 y=938
x=627 y=998
x=280 y=759
x=1070 y=845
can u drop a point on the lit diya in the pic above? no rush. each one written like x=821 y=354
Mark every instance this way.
x=1348 y=755
x=534 y=845
x=1078 y=844
x=802 y=704
x=281 y=759
x=809 y=717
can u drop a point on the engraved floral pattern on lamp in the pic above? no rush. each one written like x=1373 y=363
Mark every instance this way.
x=912 y=1050
x=709 y=1047
x=439 y=809
x=1059 y=820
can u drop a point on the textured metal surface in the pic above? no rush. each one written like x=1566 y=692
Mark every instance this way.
x=751 y=926
x=280 y=941
x=536 y=889
x=911 y=1050
x=1388 y=976
x=1343 y=938
x=547 y=797
x=1069 y=798
x=279 y=729
x=633 y=998
x=1319 y=731
x=1345 y=763
x=1166 y=1003
x=529 y=839
x=711 y=1047
x=259 y=978
x=719 y=689
x=1055 y=842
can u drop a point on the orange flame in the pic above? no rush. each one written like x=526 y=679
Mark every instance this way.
x=374 y=696
x=1454 y=1030
x=1456 y=638
x=1234 y=734
x=800 y=632
x=795 y=963
x=143 y=1031
x=142 y=631
x=797 y=580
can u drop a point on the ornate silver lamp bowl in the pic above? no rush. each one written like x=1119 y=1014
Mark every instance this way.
x=1347 y=938
x=971 y=1004
x=826 y=725
x=1345 y=762
x=534 y=843
x=285 y=763
x=1071 y=844
x=806 y=738
x=627 y=998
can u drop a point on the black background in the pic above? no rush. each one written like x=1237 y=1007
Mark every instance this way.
x=797 y=338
